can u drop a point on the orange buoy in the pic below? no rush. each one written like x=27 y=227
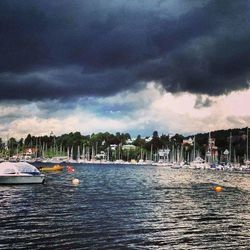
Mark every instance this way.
x=217 y=188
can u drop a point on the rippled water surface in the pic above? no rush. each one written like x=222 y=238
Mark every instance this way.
x=128 y=207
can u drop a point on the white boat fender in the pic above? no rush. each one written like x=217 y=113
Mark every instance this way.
x=75 y=181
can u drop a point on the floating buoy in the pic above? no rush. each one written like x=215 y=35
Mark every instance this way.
x=70 y=169
x=75 y=181
x=217 y=188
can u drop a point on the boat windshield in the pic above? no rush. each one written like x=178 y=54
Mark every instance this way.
x=17 y=167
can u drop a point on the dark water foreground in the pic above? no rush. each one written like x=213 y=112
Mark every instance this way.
x=128 y=207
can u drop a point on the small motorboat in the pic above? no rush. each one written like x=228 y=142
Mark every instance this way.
x=51 y=169
x=20 y=173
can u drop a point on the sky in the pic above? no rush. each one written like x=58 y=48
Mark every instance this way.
x=134 y=66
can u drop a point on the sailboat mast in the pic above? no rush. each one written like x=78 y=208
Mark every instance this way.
x=108 y=154
x=230 y=146
x=78 y=152
x=83 y=152
x=209 y=150
x=247 y=146
x=68 y=152
x=151 y=152
x=194 y=148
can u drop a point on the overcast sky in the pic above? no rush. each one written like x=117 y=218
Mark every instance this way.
x=175 y=66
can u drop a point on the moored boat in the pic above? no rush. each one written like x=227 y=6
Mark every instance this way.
x=20 y=173
x=52 y=168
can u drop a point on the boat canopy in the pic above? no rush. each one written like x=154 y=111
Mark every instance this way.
x=17 y=167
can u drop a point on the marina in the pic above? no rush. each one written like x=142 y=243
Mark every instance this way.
x=124 y=125
x=173 y=152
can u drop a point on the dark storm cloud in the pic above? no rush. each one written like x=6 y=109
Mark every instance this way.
x=59 y=49
x=62 y=83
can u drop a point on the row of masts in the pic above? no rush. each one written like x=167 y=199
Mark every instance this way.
x=230 y=150
x=175 y=154
x=88 y=153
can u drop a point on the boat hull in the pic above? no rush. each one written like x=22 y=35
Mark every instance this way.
x=22 y=179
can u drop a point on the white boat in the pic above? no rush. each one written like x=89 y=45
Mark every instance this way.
x=199 y=163
x=20 y=173
x=163 y=164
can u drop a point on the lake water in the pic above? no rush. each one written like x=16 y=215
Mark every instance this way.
x=128 y=207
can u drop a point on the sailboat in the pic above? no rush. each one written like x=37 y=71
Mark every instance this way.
x=246 y=166
x=70 y=155
x=198 y=162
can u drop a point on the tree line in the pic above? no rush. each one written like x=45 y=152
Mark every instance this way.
x=101 y=141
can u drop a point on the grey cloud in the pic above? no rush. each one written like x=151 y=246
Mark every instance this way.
x=201 y=102
x=239 y=121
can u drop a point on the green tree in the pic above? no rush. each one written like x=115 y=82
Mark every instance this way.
x=139 y=142
x=12 y=146
x=28 y=141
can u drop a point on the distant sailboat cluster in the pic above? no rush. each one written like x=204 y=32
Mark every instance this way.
x=178 y=155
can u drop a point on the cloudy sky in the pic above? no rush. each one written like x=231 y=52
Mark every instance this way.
x=175 y=66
